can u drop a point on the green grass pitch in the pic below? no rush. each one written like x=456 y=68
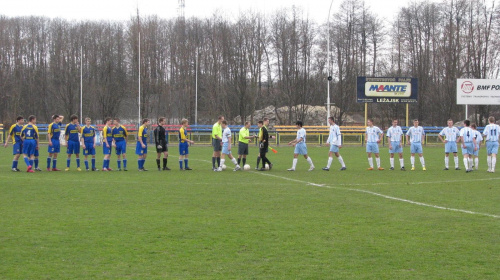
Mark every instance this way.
x=199 y=224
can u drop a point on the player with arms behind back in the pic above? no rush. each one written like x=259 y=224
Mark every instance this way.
x=452 y=135
x=468 y=145
x=184 y=145
x=335 y=141
x=141 y=149
x=491 y=132
x=416 y=135
x=373 y=136
x=29 y=134
x=88 y=143
x=17 y=141
x=395 y=136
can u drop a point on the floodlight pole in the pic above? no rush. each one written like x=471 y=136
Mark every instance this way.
x=328 y=66
x=196 y=91
x=139 y=59
x=81 y=83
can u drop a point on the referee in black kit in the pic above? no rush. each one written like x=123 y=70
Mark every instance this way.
x=161 y=143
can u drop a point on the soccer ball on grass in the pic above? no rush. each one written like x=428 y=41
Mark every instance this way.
x=246 y=167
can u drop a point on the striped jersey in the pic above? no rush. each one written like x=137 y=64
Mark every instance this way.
x=373 y=134
x=415 y=134
x=451 y=133
x=394 y=133
x=478 y=136
x=335 y=137
x=467 y=133
x=491 y=132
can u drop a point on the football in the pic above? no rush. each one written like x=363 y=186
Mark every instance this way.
x=223 y=167
x=246 y=167
x=267 y=166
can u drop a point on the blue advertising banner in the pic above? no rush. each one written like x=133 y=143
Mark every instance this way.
x=387 y=90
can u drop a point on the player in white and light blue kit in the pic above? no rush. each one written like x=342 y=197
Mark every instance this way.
x=491 y=133
x=335 y=141
x=226 y=147
x=373 y=136
x=479 y=140
x=468 y=145
x=452 y=135
x=300 y=147
x=416 y=135
x=394 y=135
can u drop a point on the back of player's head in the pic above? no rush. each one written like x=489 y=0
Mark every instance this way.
x=184 y=121
x=19 y=118
x=332 y=119
x=473 y=125
x=54 y=117
x=260 y=122
x=491 y=119
x=161 y=119
x=73 y=117
x=145 y=121
x=467 y=123
x=299 y=123
x=31 y=118
x=107 y=120
x=224 y=122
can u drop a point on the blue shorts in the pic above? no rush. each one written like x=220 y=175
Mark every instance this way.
x=141 y=151
x=469 y=149
x=17 y=148
x=105 y=149
x=416 y=148
x=334 y=148
x=300 y=149
x=225 y=148
x=121 y=147
x=183 y=149
x=73 y=148
x=450 y=147
x=29 y=147
x=55 y=148
x=396 y=148
x=89 y=149
x=372 y=147
x=492 y=147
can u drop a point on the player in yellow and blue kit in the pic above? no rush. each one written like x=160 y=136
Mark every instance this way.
x=54 y=133
x=73 y=141
x=29 y=134
x=17 y=141
x=184 y=145
x=107 y=142
x=88 y=143
x=120 y=134
x=141 y=149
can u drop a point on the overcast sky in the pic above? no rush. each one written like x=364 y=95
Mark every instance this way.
x=124 y=9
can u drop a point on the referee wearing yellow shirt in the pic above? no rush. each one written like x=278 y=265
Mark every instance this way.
x=216 y=142
x=243 y=140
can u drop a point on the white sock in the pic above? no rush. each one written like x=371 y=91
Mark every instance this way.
x=422 y=161
x=470 y=162
x=294 y=164
x=476 y=161
x=401 y=162
x=235 y=162
x=446 y=162
x=456 y=161
x=392 y=162
x=341 y=160
x=412 y=161
x=493 y=163
x=488 y=159
x=466 y=163
x=222 y=162
x=370 y=162
x=378 y=162
x=310 y=161
x=330 y=159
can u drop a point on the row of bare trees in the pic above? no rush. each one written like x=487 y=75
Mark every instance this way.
x=246 y=64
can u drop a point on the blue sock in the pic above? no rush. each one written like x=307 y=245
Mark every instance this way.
x=27 y=161
x=31 y=162
x=125 y=163
x=86 y=164
x=78 y=162
x=119 y=162
x=68 y=162
x=143 y=162
x=107 y=163
x=54 y=163
x=186 y=163
x=14 y=164
x=48 y=162
x=93 y=163
x=180 y=163
x=139 y=161
x=104 y=164
x=36 y=162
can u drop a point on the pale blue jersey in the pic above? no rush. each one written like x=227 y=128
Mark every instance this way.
x=394 y=133
x=373 y=134
x=468 y=134
x=415 y=134
x=450 y=133
x=335 y=137
x=491 y=132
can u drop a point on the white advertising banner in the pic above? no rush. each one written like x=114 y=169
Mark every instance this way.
x=478 y=92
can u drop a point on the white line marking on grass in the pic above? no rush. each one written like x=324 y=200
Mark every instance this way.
x=385 y=196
